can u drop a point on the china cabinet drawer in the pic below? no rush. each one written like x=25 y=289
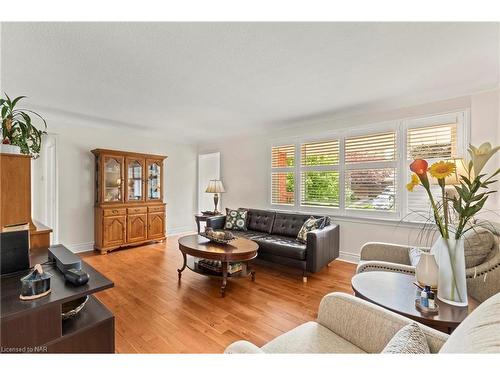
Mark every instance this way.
x=137 y=210
x=156 y=208
x=114 y=211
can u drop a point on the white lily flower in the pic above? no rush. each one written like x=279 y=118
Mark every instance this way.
x=481 y=155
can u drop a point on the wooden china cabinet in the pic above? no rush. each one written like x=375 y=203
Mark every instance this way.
x=129 y=208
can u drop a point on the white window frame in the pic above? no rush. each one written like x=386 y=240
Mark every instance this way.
x=401 y=164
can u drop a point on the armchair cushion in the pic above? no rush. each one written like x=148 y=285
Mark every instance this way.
x=479 y=332
x=366 y=325
x=310 y=337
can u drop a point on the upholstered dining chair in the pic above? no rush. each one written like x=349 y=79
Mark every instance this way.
x=482 y=258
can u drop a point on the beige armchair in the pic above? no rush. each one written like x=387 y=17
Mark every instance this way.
x=347 y=324
x=483 y=280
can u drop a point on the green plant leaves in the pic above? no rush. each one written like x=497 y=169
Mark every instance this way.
x=22 y=133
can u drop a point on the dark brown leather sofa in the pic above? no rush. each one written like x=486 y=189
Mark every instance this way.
x=276 y=233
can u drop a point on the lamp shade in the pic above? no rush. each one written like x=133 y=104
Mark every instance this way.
x=460 y=170
x=215 y=186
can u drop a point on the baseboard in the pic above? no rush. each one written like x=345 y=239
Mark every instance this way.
x=349 y=257
x=81 y=247
x=181 y=230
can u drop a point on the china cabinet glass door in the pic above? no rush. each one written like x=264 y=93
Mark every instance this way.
x=134 y=179
x=112 y=179
x=154 y=180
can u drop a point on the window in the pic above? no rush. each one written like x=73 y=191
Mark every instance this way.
x=363 y=172
x=283 y=175
x=370 y=182
x=319 y=176
x=431 y=140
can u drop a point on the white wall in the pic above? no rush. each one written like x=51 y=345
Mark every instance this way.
x=244 y=165
x=76 y=175
x=208 y=169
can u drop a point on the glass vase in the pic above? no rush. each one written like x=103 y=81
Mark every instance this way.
x=452 y=286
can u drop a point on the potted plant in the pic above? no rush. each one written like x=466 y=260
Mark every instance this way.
x=18 y=129
x=454 y=214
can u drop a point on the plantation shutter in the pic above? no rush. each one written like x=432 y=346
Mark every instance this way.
x=432 y=143
x=369 y=148
x=283 y=175
x=370 y=177
x=319 y=176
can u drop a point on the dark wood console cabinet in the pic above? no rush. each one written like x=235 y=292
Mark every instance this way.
x=37 y=327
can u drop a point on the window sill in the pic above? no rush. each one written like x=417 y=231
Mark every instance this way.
x=354 y=218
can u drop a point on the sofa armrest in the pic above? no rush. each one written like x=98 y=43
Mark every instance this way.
x=375 y=265
x=366 y=325
x=386 y=252
x=216 y=222
x=243 y=347
x=322 y=247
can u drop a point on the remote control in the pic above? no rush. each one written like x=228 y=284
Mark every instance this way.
x=76 y=277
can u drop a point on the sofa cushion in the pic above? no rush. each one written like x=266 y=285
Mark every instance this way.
x=286 y=224
x=260 y=220
x=478 y=244
x=282 y=246
x=249 y=234
x=310 y=337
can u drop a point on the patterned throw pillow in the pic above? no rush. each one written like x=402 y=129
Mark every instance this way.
x=408 y=340
x=309 y=225
x=236 y=219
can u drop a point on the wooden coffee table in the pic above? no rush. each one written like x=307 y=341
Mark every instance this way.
x=195 y=247
x=396 y=292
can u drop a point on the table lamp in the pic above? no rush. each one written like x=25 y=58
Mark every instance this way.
x=215 y=187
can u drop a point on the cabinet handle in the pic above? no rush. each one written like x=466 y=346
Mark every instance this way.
x=115 y=211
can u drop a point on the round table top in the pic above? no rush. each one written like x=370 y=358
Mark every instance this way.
x=396 y=292
x=239 y=249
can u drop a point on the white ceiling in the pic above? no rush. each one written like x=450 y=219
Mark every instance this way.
x=196 y=82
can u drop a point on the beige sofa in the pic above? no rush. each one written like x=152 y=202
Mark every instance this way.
x=347 y=324
x=483 y=279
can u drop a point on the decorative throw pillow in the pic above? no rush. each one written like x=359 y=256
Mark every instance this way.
x=414 y=253
x=309 y=225
x=236 y=219
x=477 y=245
x=325 y=221
x=408 y=340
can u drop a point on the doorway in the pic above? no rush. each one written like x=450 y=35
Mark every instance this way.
x=44 y=183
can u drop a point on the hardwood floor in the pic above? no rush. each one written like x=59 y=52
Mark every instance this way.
x=156 y=314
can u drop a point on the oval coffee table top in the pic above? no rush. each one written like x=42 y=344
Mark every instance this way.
x=239 y=249
x=396 y=292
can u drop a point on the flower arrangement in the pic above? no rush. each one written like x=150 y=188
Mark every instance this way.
x=471 y=194
x=454 y=213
